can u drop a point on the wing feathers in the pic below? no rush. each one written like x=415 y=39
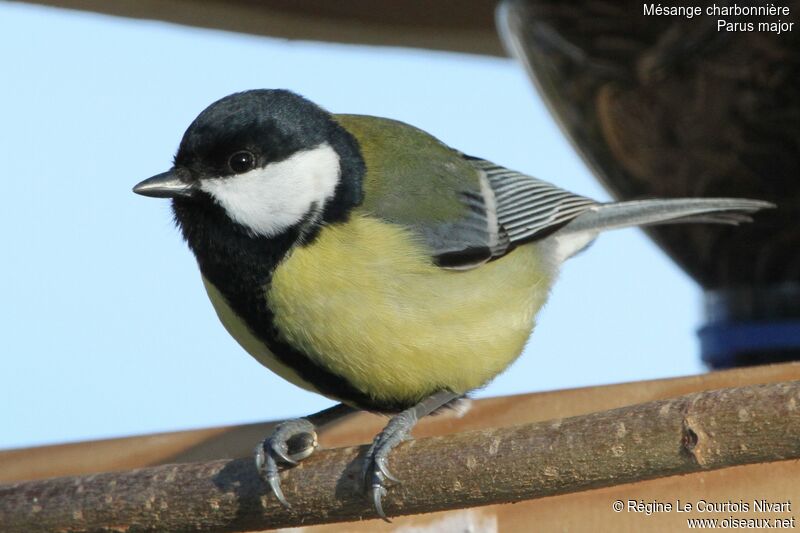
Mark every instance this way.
x=531 y=209
x=660 y=211
x=505 y=209
x=527 y=207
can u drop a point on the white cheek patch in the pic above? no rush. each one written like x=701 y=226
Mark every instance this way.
x=271 y=199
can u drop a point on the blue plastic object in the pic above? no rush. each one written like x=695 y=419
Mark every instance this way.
x=724 y=343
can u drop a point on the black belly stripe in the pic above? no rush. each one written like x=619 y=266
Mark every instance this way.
x=260 y=320
x=240 y=266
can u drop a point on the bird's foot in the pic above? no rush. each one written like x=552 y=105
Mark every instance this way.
x=290 y=442
x=375 y=469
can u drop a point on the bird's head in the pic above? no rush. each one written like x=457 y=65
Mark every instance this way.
x=268 y=159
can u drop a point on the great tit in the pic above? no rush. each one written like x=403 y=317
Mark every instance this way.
x=363 y=259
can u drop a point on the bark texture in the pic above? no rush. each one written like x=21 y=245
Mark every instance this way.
x=701 y=431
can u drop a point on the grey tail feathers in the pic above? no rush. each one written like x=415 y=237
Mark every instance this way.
x=650 y=212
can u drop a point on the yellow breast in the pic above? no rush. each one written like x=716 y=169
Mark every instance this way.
x=366 y=302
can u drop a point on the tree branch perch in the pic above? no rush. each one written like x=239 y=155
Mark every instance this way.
x=701 y=431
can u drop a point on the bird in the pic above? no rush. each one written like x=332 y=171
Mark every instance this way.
x=363 y=259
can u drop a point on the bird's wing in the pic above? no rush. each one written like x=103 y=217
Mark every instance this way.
x=472 y=238
x=451 y=209
x=415 y=181
x=527 y=208
x=498 y=209
x=466 y=210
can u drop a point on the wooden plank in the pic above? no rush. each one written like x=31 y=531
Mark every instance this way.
x=592 y=511
x=452 y=25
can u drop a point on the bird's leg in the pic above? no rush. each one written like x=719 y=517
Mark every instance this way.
x=291 y=442
x=375 y=469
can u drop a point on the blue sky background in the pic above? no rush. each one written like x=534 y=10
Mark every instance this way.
x=105 y=329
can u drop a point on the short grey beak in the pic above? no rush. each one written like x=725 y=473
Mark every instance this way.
x=165 y=185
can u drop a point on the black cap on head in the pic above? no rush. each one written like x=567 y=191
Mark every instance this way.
x=272 y=124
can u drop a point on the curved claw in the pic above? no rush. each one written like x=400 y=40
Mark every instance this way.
x=375 y=469
x=267 y=467
x=383 y=467
x=275 y=484
x=276 y=448
x=378 y=492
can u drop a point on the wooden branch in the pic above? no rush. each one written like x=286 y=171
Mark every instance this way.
x=701 y=431
x=209 y=444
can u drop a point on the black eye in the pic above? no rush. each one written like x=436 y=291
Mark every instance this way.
x=242 y=161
